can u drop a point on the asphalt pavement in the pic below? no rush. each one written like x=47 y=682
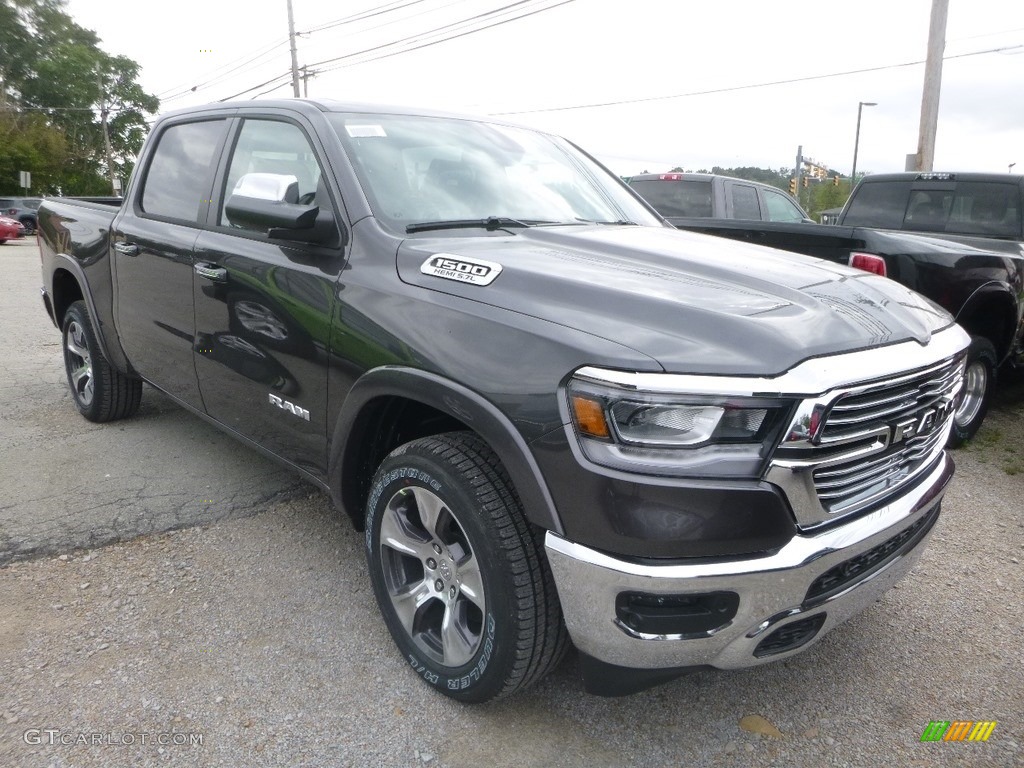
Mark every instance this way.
x=171 y=598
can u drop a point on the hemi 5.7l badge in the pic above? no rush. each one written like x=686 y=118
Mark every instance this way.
x=462 y=270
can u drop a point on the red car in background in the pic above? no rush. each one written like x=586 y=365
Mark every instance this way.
x=10 y=229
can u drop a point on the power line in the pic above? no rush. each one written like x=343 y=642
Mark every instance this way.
x=381 y=10
x=223 y=75
x=399 y=20
x=412 y=38
x=420 y=36
x=262 y=52
x=287 y=74
x=752 y=85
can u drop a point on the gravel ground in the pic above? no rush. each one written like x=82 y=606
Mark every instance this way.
x=255 y=641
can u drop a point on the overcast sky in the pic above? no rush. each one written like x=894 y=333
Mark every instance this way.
x=658 y=56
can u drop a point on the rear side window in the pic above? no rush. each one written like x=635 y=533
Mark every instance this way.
x=676 y=198
x=178 y=180
x=744 y=202
x=878 y=205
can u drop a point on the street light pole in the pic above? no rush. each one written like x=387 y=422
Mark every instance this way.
x=856 y=141
x=1010 y=169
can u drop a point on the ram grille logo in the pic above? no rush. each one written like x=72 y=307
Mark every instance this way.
x=461 y=269
x=922 y=423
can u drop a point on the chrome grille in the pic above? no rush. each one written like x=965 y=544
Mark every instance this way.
x=872 y=415
x=893 y=399
x=852 y=448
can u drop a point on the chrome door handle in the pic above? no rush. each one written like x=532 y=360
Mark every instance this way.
x=126 y=249
x=211 y=272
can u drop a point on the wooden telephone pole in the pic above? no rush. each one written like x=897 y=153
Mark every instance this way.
x=932 y=86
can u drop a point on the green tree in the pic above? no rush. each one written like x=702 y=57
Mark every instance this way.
x=51 y=66
x=29 y=143
x=825 y=195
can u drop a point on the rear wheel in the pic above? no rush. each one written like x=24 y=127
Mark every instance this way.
x=101 y=393
x=979 y=383
x=459 y=574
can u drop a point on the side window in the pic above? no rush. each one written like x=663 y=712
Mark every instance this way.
x=781 y=208
x=744 y=202
x=177 y=181
x=271 y=146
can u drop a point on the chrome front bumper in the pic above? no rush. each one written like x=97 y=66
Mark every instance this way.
x=772 y=589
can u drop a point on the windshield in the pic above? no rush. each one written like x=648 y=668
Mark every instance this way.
x=417 y=169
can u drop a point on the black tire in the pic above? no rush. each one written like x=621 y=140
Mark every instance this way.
x=979 y=384
x=481 y=617
x=100 y=392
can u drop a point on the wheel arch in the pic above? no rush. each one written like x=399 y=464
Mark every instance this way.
x=66 y=291
x=391 y=405
x=991 y=312
x=69 y=284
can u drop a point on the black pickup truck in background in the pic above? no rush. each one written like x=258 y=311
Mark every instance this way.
x=553 y=415
x=962 y=249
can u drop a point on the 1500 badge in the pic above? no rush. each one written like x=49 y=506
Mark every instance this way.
x=461 y=269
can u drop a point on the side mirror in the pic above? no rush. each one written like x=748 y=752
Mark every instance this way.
x=269 y=202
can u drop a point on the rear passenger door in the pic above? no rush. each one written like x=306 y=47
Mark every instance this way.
x=263 y=306
x=742 y=201
x=152 y=254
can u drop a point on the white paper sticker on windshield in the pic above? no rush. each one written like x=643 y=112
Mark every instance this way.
x=461 y=269
x=365 y=131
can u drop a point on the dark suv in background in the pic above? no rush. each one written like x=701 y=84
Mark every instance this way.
x=23 y=209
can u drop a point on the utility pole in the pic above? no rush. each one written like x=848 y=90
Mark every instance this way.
x=799 y=169
x=306 y=75
x=932 y=86
x=106 y=133
x=295 y=56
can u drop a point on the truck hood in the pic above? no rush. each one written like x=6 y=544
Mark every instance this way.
x=694 y=303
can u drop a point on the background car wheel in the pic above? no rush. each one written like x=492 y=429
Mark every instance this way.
x=459 y=574
x=100 y=392
x=979 y=383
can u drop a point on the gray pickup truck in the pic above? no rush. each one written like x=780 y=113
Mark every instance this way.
x=712 y=196
x=553 y=416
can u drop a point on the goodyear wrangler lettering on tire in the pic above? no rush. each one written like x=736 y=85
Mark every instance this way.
x=461 y=269
x=448 y=548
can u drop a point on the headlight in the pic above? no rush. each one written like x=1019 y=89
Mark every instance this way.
x=693 y=435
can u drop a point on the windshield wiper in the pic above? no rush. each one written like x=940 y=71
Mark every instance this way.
x=619 y=223
x=490 y=223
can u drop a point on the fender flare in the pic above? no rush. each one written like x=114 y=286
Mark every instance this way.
x=65 y=262
x=984 y=294
x=455 y=400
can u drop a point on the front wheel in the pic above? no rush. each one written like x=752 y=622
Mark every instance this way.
x=459 y=574
x=979 y=383
x=101 y=392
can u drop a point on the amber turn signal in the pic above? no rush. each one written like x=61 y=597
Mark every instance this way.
x=590 y=417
